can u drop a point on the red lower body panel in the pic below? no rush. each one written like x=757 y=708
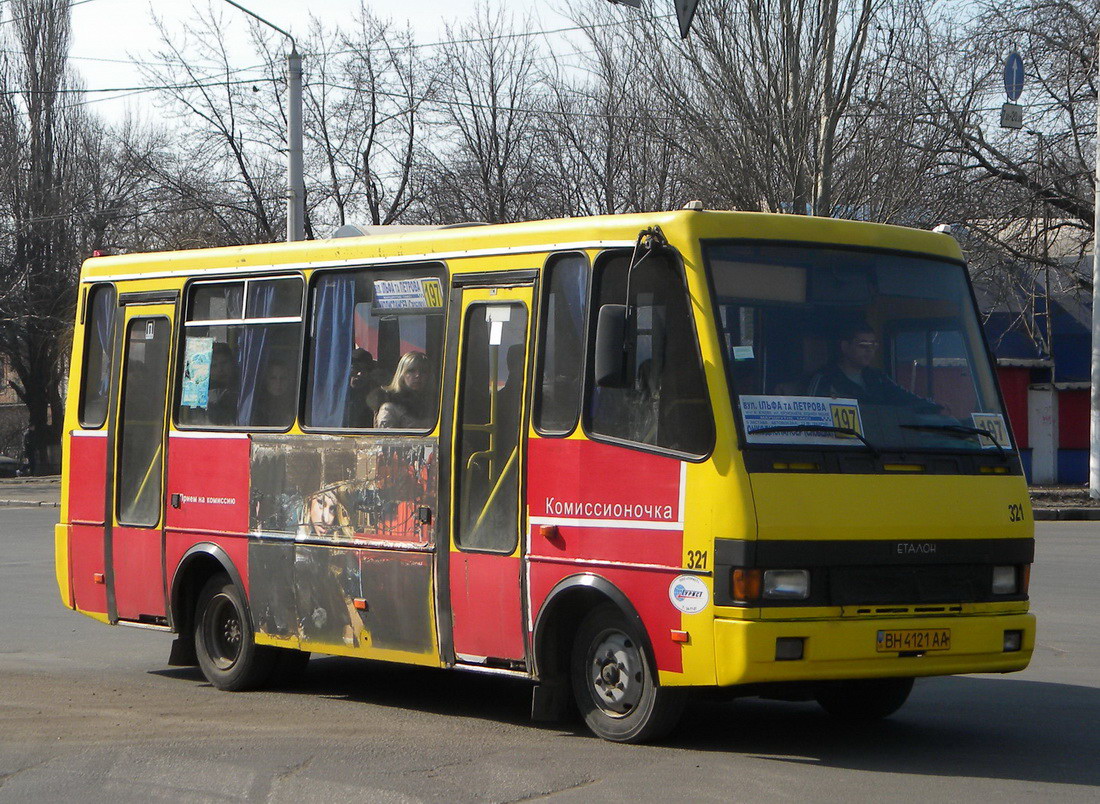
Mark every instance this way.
x=485 y=605
x=85 y=564
x=138 y=574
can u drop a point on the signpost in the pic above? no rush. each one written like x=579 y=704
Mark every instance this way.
x=1012 y=114
x=685 y=12
x=1014 y=76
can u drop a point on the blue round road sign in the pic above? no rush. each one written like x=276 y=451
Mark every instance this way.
x=1014 y=76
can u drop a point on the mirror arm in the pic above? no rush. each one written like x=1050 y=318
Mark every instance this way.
x=649 y=241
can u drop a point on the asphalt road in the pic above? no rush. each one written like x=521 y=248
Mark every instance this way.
x=93 y=713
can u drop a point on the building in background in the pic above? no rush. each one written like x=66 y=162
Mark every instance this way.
x=1046 y=392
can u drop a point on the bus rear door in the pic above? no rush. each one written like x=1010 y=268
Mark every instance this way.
x=133 y=541
x=487 y=473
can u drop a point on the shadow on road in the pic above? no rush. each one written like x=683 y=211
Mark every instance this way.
x=996 y=728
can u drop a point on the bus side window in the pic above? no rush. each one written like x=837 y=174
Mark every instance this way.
x=242 y=342
x=99 y=338
x=561 y=342
x=376 y=349
x=665 y=403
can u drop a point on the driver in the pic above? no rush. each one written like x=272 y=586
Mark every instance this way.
x=851 y=376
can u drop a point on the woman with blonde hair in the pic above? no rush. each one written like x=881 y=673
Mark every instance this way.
x=409 y=393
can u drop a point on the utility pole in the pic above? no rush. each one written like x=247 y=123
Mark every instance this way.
x=1094 y=440
x=296 y=187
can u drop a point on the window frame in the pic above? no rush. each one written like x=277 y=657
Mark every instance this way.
x=443 y=274
x=542 y=322
x=88 y=333
x=676 y=262
x=185 y=323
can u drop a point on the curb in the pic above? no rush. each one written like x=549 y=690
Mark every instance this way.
x=1066 y=514
x=29 y=504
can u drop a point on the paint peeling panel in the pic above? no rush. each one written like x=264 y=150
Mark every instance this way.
x=394 y=590
x=271 y=568
x=326 y=488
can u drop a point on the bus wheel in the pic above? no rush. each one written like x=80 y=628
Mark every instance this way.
x=228 y=655
x=863 y=699
x=613 y=684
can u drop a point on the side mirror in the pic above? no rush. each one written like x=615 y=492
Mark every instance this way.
x=610 y=368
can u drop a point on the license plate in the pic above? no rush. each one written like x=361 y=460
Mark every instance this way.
x=903 y=641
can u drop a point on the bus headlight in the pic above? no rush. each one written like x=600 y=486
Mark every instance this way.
x=1004 y=580
x=786 y=584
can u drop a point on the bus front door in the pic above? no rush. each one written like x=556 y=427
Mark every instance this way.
x=487 y=471
x=133 y=542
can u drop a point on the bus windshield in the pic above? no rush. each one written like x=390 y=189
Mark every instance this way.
x=854 y=349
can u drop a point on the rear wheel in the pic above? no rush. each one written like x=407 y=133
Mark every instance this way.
x=228 y=655
x=863 y=699
x=613 y=684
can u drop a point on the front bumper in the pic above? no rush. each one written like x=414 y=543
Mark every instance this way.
x=843 y=649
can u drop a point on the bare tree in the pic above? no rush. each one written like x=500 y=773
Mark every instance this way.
x=1029 y=220
x=764 y=90
x=365 y=105
x=610 y=148
x=234 y=144
x=38 y=261
x=490 y=99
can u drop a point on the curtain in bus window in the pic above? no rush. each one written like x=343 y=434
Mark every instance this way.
x=333 y=342
x=252 y=348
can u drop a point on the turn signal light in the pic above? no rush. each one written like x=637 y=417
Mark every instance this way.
x=746 y=584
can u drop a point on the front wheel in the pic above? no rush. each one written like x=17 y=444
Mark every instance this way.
x=613 y=684
x=863 y=699
x=228 y=655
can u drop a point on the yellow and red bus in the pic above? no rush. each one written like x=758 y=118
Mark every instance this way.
x=624 y=457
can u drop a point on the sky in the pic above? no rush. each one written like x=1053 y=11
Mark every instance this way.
x=109 y=36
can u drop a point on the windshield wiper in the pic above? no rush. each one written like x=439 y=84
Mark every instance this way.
x=816 y=428
x=960 y=430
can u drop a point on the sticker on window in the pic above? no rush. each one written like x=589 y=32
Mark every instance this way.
x=407 y=294
x=802 y=420
x=995 y=424
x=196 y=372
x=742 y=353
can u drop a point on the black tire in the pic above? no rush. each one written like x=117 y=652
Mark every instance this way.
x=863 y=700
x=613 y=684
x=224 y=643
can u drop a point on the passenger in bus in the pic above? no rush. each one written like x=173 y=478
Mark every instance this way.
x=409 y=391
x=274 y=405
x=364 y=392
x=221 y=400
x=392 y=416
x=851 y=376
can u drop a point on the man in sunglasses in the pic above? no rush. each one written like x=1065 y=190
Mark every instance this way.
x=851 y=375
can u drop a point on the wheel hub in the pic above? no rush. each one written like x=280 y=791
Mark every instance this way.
x=225 y=632
x=616 y=673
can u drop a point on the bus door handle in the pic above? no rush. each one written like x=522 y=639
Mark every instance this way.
x=177 y=500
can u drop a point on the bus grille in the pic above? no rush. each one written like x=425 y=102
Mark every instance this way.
x=950 y=583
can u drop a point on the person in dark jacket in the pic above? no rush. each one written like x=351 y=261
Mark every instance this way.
x=851 y=376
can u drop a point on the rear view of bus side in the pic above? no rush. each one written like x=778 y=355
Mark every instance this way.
x=623 y=457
